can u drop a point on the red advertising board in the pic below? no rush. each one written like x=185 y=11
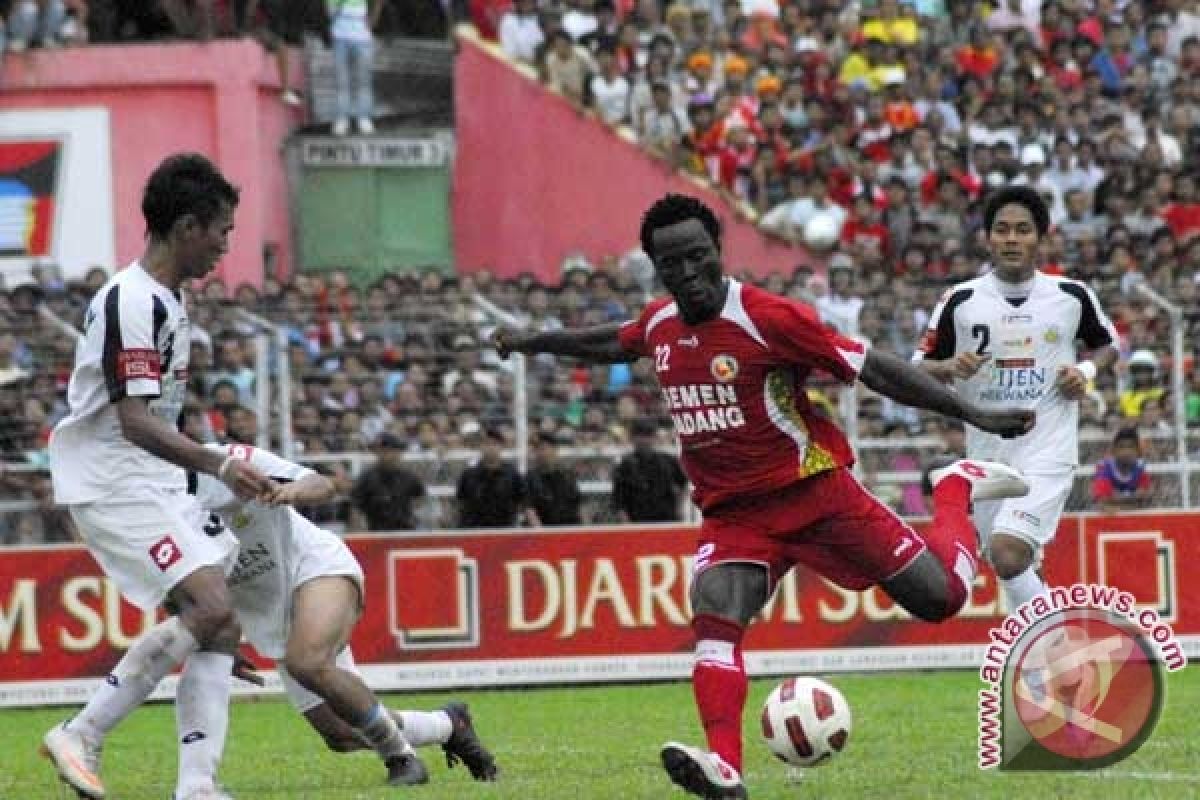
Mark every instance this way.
x=579 y=605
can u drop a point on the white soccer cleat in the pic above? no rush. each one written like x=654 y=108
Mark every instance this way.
x=204 y=794
x=990 y=480
x=702 y=773
x=77 y=760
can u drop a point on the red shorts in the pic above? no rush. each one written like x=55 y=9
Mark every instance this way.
x=829 y=523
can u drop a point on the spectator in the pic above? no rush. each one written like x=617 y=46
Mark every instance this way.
x=45 y=23
x=230 y=367
x=491 y=493
x=241 y=425
x=279 y=25
x=1144 y=383
x=567 y=67
x=554 y=495
x=662 y=128
x=841 y=306
x=608 y=88
x=350 y=26
x=191 y=19
x=647 y=484
x=521 y=31
x=384 y=495
x=1122 y=481
x=47 y=523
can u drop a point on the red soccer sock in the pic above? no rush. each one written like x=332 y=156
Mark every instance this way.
x=952 y=539
x=719 y=684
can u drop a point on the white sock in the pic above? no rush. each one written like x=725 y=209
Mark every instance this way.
x=423 y=728
x=202 y=718
x=152 y=655
x=383 y=734
x=1022 y=588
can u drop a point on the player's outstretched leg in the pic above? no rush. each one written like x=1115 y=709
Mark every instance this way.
x=452 y=727
x=952 y=537
x=937 y=583
x=324 y=611
x=463 y=744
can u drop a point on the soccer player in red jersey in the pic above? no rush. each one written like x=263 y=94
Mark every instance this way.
x=772 y=475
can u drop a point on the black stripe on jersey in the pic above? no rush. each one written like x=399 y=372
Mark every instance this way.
x=1091 y=331
x=160 y=319
x=112 y=344
x=943 y=348
x=193 y=482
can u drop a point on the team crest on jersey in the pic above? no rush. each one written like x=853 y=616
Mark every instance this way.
x=241 y=519
x=724 y=368
x=1051 y=335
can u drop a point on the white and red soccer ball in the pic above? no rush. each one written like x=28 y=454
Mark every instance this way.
x=805 y=721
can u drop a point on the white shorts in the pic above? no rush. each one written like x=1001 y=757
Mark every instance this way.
x=148 y=540
x=264 y=603
x=302 y=699
x=1033 y=517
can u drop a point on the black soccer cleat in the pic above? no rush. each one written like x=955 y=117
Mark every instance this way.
x=407 y=770
x=464 y=745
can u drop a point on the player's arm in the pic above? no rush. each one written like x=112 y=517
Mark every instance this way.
x=598 y=344
x=1097 y=333
x=793 y=331
x=313 y=489
x=894 y=377
x=1073 y=380
x=148 y=432
x=936 y=352
x=289 y=483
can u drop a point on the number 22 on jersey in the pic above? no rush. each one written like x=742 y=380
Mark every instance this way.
x=662 y=355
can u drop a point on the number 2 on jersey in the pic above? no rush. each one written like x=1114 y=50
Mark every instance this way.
x=662 y=354
x=983 y=334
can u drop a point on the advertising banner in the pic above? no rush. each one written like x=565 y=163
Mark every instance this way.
x=522 y=607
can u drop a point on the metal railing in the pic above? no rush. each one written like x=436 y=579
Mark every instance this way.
x=1177 y=473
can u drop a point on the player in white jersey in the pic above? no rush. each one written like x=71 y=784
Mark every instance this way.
x=1009 y=338
x=299 y=591
x=118 y=463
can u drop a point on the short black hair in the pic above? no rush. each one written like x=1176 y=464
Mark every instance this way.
x=185 y=183
x=1020 y=195
x=673 y=208
x=1127 y=435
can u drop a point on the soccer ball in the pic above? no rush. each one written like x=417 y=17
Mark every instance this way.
x=805 y=721
x=821 y=231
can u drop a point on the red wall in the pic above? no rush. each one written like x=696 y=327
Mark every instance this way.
x=219 y=98
x=534 y=181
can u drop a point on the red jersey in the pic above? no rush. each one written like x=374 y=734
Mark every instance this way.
x=735 y=388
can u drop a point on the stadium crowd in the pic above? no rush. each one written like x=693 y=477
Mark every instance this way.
x=26 y=24
x=892 y=117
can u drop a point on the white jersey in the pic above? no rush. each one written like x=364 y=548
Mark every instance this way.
x=1027 y=341
x=135 y=344
x=279 y=549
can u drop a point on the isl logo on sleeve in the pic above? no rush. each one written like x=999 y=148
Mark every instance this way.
x=1075 y=679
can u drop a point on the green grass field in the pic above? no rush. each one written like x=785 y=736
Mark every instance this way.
x=914 y=737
